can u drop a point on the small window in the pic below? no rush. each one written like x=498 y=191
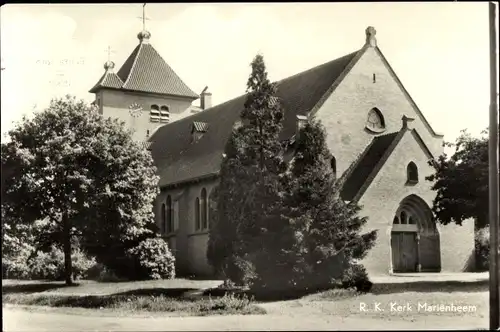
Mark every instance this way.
x=412 y=173
x=403 y=217
x=170 y=216
x=164 y=114
x=411 y=221
x=374 y=78
x=204 y=209
x=147 y=133
x=395 y=220
x=375 y=121
x=197 y=214
x=333 y=165
x=163 y=219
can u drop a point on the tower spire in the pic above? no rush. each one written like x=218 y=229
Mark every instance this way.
x=144 y=35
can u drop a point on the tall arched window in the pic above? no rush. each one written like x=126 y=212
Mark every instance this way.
x=163 y=219
x=412 y=172
x=395 y=220
x=204 y=208
x=154 y=113
x=170 y=215
x=164 y=114
x=333 y=164
x=197 y=224
x=375 y=121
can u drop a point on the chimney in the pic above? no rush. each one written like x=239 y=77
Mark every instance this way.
x=301 y=122
x=407 y=122
x=205 y=99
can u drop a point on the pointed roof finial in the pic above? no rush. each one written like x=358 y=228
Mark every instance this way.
x=144 y=35
x=370 y=36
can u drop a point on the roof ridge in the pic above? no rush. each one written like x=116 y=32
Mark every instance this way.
x=316 y=67
x=129 y=75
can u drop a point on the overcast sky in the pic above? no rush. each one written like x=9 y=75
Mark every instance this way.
x=440 y=51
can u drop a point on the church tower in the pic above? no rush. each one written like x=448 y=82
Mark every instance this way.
x=145 y=92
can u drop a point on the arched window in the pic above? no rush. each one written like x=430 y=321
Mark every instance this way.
x=412 y=172
x=204 y=208
x=164 y=114
x=403 y=217
x=333 y=164
x=375 y=121
x=170 y=215
x=395 y=220
x=197 y=224
x=411 y=221
x=163 y=219
x=154 y=113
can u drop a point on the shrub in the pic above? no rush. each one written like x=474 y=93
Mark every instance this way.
x=482 y=244
x=356 y=277
x=153 y=259
x=50 y=265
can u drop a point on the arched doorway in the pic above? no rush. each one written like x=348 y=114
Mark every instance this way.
x=415 y=242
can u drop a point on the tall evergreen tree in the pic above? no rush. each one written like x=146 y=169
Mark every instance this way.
x=329 y=229
x=250 y=183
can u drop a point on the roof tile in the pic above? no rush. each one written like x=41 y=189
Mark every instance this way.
x=362 y=170
x=146 y=71
x=178 y=160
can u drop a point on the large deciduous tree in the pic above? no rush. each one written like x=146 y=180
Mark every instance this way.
x=250 y=183
x=461 y=181
x=82 y=173
x=461 y=185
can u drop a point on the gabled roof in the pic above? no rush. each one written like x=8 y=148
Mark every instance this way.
x=146 y=71
x=365 y=165
x=179 y=159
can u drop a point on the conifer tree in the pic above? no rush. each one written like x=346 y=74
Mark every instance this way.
x=329 y=228
x=250 y=182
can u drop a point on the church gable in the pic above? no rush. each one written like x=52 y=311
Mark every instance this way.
x=368 y=101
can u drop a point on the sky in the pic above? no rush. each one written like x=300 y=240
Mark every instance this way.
x=440 y=51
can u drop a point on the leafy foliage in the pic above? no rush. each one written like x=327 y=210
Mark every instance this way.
x=84 y=174
x=461 y=181
x=482 y=246
x=278 y=229
x=250 y=184
x=153 y=259
x=17 y=247
x=323 y=238
x=50 y=265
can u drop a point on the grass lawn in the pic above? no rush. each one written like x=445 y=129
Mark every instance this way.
x=181 y=297
x=178 y=297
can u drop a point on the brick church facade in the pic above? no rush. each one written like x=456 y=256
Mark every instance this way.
x=380 y=140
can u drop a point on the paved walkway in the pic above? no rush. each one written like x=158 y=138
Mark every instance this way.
x=15 y=319
x=429 y=277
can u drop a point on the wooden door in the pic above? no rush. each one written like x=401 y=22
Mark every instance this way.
x=404 y=251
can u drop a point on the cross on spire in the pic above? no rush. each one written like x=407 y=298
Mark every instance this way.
x=109 y=50
x=143 y=17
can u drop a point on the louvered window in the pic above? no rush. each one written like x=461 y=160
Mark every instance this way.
x=154 y=114
x=164 y=114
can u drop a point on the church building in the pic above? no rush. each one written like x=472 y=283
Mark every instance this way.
x=380 y=140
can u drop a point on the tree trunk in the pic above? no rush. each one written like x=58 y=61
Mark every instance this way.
x=67 y=249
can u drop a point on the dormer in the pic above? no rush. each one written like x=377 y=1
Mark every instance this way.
x=198 y=129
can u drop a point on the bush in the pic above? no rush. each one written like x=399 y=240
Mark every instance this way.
x=50 y=265
x=153 y=259
x=482 y=244
x=356 y=277
x=17 y=247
